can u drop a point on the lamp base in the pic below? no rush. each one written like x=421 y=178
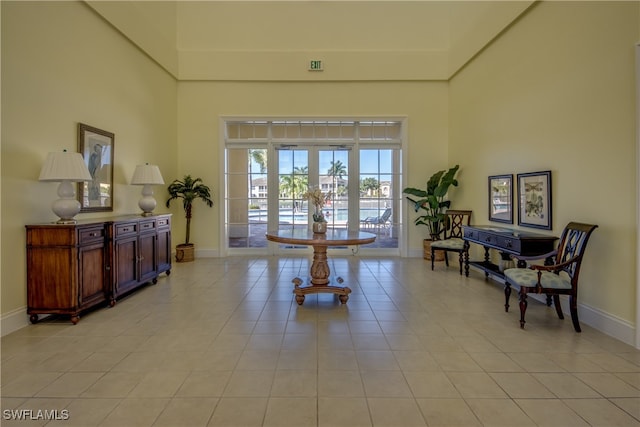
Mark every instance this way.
x=66 y=207
x=66 y=221
x=147 y=203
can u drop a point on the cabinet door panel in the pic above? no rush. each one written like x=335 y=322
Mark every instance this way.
x=164 y=250
x=126 y=265
x=93 y=284
x=148 y=257
x=51 y=278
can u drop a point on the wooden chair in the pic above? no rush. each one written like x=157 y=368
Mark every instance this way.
x=452 y=241
x=561 y=278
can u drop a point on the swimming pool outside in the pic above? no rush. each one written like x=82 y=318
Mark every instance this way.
x=287 y=216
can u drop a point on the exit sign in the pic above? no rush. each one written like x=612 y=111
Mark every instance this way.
x=315 y=65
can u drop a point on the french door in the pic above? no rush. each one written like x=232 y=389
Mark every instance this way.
x=301 y=169
x=267 y=172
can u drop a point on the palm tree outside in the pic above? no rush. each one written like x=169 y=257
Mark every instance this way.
x=339 y=170
x=370 y=187
x=295 y=185
x=259 y=156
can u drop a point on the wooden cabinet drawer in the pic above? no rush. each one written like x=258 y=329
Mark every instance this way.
x=126 y=229
x=91 y=235
x=163 y=222
x=147 y=225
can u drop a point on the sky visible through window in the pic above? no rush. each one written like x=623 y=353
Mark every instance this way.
x=373 y=163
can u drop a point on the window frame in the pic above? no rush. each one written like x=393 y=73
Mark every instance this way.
x=305 y=137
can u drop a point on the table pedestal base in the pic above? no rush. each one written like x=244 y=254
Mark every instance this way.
x=300 y=291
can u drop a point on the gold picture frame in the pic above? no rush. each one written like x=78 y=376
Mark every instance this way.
x=96 y=146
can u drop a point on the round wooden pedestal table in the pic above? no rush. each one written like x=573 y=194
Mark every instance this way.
x=320 y=272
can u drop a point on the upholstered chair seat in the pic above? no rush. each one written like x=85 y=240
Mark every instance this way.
x=529 y=278
x=455 y=243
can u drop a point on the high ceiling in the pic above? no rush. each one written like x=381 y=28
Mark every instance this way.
x=191 y=39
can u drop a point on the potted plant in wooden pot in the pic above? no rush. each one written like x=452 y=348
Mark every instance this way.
x=188 y=189
x=433 y=203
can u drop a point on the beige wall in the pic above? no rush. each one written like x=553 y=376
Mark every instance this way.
x=62 y=64
x=556 y=92
x=201 y=104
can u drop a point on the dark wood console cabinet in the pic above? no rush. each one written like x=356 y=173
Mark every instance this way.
x=507 y=241
x=74 y=267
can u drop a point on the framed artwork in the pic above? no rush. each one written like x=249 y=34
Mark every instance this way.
x=501 y=198
x=534 y=199
x=96 y=147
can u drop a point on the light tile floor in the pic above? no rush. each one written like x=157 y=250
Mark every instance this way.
x=221 y=342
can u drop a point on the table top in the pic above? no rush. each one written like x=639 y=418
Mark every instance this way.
x=333 y=237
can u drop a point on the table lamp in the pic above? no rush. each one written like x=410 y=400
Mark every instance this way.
x=147 y=175
x=66 y=168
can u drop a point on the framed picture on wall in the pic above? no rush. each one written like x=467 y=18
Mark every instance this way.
x=96 y=147
x=534 y=199
x=501 y=198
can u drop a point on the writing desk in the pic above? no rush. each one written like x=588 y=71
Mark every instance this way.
x=508 y=241
x=320 y=270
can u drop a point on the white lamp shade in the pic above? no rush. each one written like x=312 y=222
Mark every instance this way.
x=64 y=166
x=147 y=174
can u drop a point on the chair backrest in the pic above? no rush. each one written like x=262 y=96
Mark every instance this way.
x=455 y=219
x=385 y=216
x=573 y=243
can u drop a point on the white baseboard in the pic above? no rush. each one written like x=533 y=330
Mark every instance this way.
x=14 y=320
x=604 y=322
x=608 y=324
x=207 y=253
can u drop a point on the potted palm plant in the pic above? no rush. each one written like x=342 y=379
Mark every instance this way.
x=433 y=203
x=188 y=189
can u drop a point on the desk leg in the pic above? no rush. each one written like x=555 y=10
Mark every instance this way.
x=487 y=258
x=320 y=272
x=466 y=258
